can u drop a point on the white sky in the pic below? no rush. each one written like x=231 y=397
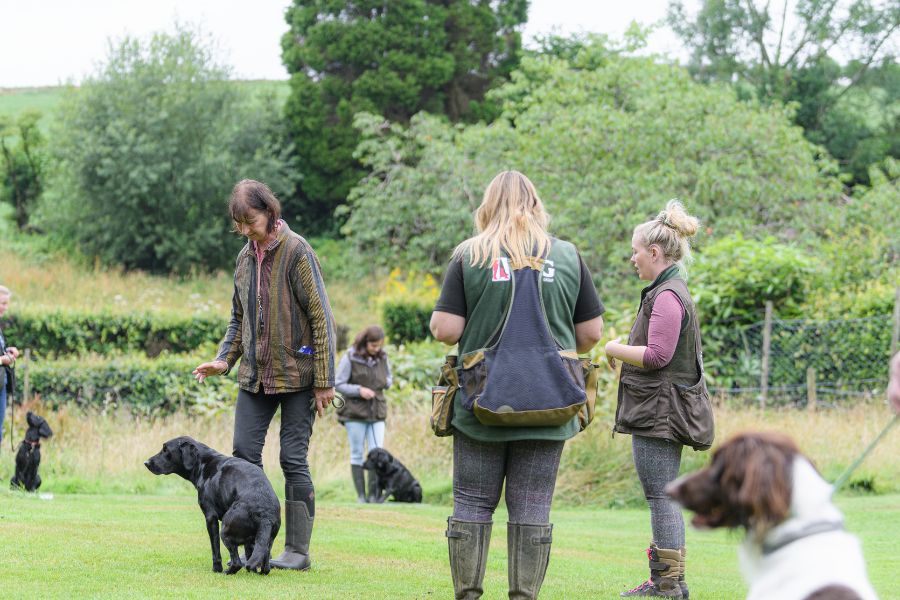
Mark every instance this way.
x=48 y=42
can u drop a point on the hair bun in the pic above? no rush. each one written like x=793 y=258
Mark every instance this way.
x=676 y=217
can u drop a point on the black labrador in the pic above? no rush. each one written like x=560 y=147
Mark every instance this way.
x=392 y=478
x=230 y=490
x=28 y=458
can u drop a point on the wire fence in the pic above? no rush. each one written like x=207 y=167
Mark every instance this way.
x=800 y=362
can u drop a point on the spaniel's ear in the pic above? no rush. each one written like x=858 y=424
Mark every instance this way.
x=44 y=429
x=764 y=493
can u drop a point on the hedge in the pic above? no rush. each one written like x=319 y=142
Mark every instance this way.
x=143 y=385
x=66 y=333
x=406 y=322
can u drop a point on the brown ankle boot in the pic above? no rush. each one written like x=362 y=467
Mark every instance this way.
x=665 y=570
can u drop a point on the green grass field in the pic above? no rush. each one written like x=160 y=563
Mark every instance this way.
x=13 y=101
x=137 y=546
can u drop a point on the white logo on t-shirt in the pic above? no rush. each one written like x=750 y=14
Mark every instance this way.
x=549 y=271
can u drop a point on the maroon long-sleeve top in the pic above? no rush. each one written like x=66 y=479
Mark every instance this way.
x=664 y=331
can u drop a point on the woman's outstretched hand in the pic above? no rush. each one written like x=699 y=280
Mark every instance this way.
x=208 y=369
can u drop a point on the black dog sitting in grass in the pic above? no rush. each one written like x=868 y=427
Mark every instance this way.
x=28 y=458
x=392 y=478
x=230 y=490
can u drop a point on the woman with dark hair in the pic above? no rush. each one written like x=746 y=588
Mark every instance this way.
x=526 y=299
x=362 y=376
x=281 y=325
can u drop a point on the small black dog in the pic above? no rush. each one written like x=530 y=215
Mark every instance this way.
x=392 y=478
x=28 y=458
x=230 y=490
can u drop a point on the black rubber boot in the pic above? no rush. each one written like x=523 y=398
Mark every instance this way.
x=665 y=569
x=529 y=554
x=374 y=492
x=298 y=531
x=359 y=482
x=468 y=542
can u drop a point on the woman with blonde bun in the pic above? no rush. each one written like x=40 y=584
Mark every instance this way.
x=661 y=364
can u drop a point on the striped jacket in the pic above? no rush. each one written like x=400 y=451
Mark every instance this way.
x=291 y=311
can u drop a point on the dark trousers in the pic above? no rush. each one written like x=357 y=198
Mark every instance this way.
x=252 y=416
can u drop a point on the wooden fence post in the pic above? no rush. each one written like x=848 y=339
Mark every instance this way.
x=767 y=343
x=811 y=399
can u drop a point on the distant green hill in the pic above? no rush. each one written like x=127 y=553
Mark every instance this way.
x=14 y=101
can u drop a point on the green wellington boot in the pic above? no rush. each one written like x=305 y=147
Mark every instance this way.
x=468 y=543
x=529 y=554
x=359 y=482
x=298 y=531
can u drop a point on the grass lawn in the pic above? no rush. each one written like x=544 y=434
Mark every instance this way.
x=133 y=546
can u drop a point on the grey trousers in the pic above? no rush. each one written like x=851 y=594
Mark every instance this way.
x=657 y=462
x=529 y=468
x=252 y=417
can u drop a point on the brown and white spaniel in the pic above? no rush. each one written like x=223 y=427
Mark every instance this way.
x=795 y=547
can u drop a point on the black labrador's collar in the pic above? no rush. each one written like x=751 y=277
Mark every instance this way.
x=809 y=530
x=33 y=445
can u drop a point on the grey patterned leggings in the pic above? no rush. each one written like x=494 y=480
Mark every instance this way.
x=657 y=462
x=528 y=466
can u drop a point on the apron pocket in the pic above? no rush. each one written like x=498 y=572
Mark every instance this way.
x=691 y=416
x=642 y=411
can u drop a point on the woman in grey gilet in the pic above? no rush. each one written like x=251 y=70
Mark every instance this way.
x=662 y=369
x=362 y=376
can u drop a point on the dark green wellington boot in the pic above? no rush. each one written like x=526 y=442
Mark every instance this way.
x=359 y=482
x=373 y=488
x=665 y=570
x=529 y=554
x=468 y=543
x=298 y=531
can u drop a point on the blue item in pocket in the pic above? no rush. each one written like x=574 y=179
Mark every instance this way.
x=306 y=350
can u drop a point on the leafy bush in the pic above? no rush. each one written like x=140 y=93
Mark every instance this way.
x=66 y=333
x=142 y=385
x=416 y=364
x=406 y=321
x=406 y=301
x=731 y=283
x=735 y=277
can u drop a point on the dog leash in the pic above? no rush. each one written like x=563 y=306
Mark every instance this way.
x=11 y=397
x=846 y=474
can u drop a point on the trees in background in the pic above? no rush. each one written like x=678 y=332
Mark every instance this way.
x=837 y=60
x=147 y=151
x=606 y=147
x=394 y=59
x=22 y=161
